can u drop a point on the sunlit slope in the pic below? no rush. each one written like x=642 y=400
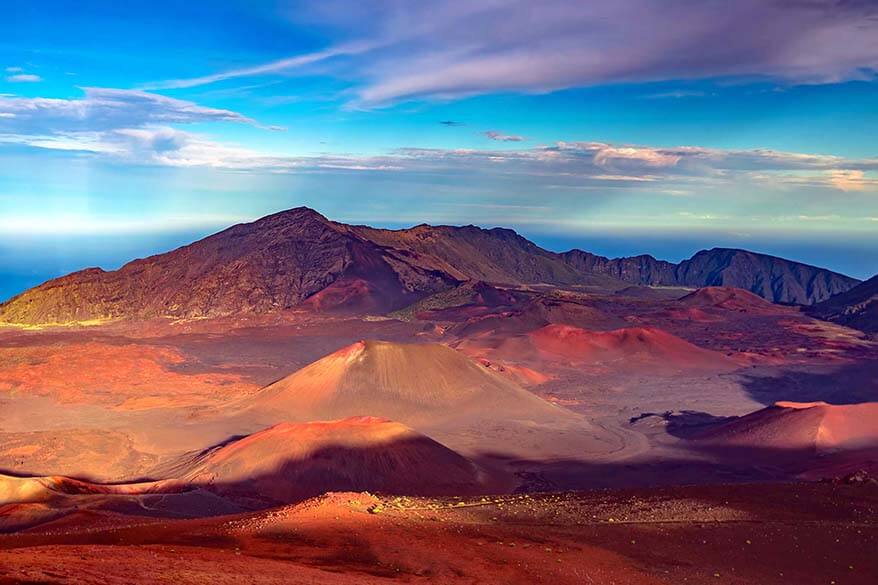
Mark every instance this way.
x=411 y=383
x=808 y=426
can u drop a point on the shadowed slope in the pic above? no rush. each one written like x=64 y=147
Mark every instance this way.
x=412 y=383
x=289 y=462
x=857 y=308
x=286 y=463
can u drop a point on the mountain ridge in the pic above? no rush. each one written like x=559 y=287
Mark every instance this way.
x=775 y=279
x=300 y=259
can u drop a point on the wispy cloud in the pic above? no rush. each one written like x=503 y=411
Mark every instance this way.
x=676 y=94
x=494 y=135
x=455 y=48
x=279 y=66
x=24 y=78
x=103 y=109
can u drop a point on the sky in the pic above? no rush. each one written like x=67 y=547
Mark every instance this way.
x=622 y=127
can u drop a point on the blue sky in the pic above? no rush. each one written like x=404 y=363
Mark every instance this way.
x=626 y=126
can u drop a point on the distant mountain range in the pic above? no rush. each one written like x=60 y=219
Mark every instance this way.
x=775 y=279
x=857 y=307
x=298 y=258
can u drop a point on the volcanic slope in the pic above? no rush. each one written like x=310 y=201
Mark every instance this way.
x=804 y=426
x=416 y=384
x=289 y=462
x=630 y=349
x=730 y=299
x=630 y=346
x=857 y=308
x=773 y=278
x=496 y=255
x=272 y=264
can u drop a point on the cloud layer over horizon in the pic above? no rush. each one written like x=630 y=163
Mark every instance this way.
x=665 y=116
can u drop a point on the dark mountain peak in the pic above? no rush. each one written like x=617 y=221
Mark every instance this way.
x=732 y=253
x=298 y=212
x=647 y=258
x=290 y=216
x=719 y=250
x=775 y=279
x=275 y=225
x=506 y=233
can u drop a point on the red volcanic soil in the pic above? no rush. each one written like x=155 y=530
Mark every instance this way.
x=129 y=376
x=693 y=314
x=767 y=534
x=812 y=426
x=731 y=299
x=521 y=374
x=290 y=462
x=412 y=383
x=628 y=347
x=345 y=295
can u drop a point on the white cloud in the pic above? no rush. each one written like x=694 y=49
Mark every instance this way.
x=608 y=156
x=24 y=78
x=274 y=67
x=501 y=137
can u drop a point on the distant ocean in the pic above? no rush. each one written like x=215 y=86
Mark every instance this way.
x=27 y=262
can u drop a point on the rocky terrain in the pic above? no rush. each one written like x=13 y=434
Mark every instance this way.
x=857 y=307
x=770 y=534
